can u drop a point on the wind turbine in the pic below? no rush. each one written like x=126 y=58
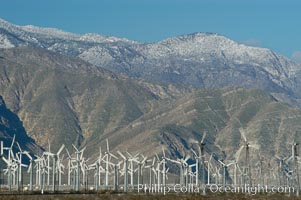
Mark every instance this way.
x=164 y=170
x=281 y=168
x=246 y=145
x=294 y=158
x=98 y=168
x=79 y=156
x=201 y=149
x=183 y=167
x=9 y=161
x=125 y=171
x=225 y=166
x=108 y=156
x=30 y=171
x=151 y=168
x=56 y=167
x=208 y=168
x=20 y=164
x=140 y=163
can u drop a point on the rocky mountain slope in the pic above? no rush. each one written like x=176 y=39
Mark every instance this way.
x=68 y=100
x=10 y=126
x=202 y=60
x=269 y=123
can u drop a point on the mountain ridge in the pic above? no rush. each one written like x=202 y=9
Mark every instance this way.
x=201 y=60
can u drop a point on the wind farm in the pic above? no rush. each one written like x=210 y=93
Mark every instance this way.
x=68 y=171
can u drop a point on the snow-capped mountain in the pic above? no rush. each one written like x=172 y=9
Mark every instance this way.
x=202 y=60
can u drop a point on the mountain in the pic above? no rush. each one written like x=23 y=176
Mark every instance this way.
x=202 y=60
x=10 y=126
x=60 y=98
x=267 y=122
x=67 y=100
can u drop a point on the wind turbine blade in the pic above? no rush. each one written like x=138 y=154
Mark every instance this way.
x=289 y=159
x=203 y=138
x=29 y=167
x=60 y=150
x=28 y=155
x=121 y=155
x=12 y=143
x=144 y=160
x=276 y=156
x=192 y=141
x=18 y=158
x=19 y=146
x=68 y=153
x=254 y=146
x=136 y=155
x=163 y=151
x=23 y=165
x=223 y=164
x=130 y=155
x=108 y=149
x=6 y=161
x=75 y=147
x=154 y=160
x=49 y=146
x=187 y=158
x=210 y=157
x=113 y=156
x=157 y=156
x=82 y=151
x=237 y=154
x=243 y=134
x=100 y=153
x=231 y=163
x=196 y=155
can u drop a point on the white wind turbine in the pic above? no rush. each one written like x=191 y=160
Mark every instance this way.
x=30 y=171
x=164 y=170
x=236 y=166
x=281 y=168
x=79 y=157
x=294 y=159
x=11 y=165
x=197 y=157
x=158 y=170
x=183 y=168
x=125 y=171
x=41 y=171
x=85 y=169
x=246 y=145
x=20 y=164
x=108 y=155
x=56 y=166
x=132 y=159
x=225 y=167
x=70 y=168
x=209 y=167
x=201 y=156
x=151 y=168
x=140 y=163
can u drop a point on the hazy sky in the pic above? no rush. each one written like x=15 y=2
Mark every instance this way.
x=275 y=24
